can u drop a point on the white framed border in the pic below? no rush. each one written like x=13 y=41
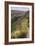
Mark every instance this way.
x=30 y=23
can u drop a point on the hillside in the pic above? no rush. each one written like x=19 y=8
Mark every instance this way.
x=20 y=25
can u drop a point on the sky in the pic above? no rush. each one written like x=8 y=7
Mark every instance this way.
x=20 y=8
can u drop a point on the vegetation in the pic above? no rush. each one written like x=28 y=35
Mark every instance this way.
x=20 y=30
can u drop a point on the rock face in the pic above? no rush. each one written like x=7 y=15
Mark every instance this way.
x=20 y=24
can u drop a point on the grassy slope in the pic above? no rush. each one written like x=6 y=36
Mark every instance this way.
x=20 y=30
